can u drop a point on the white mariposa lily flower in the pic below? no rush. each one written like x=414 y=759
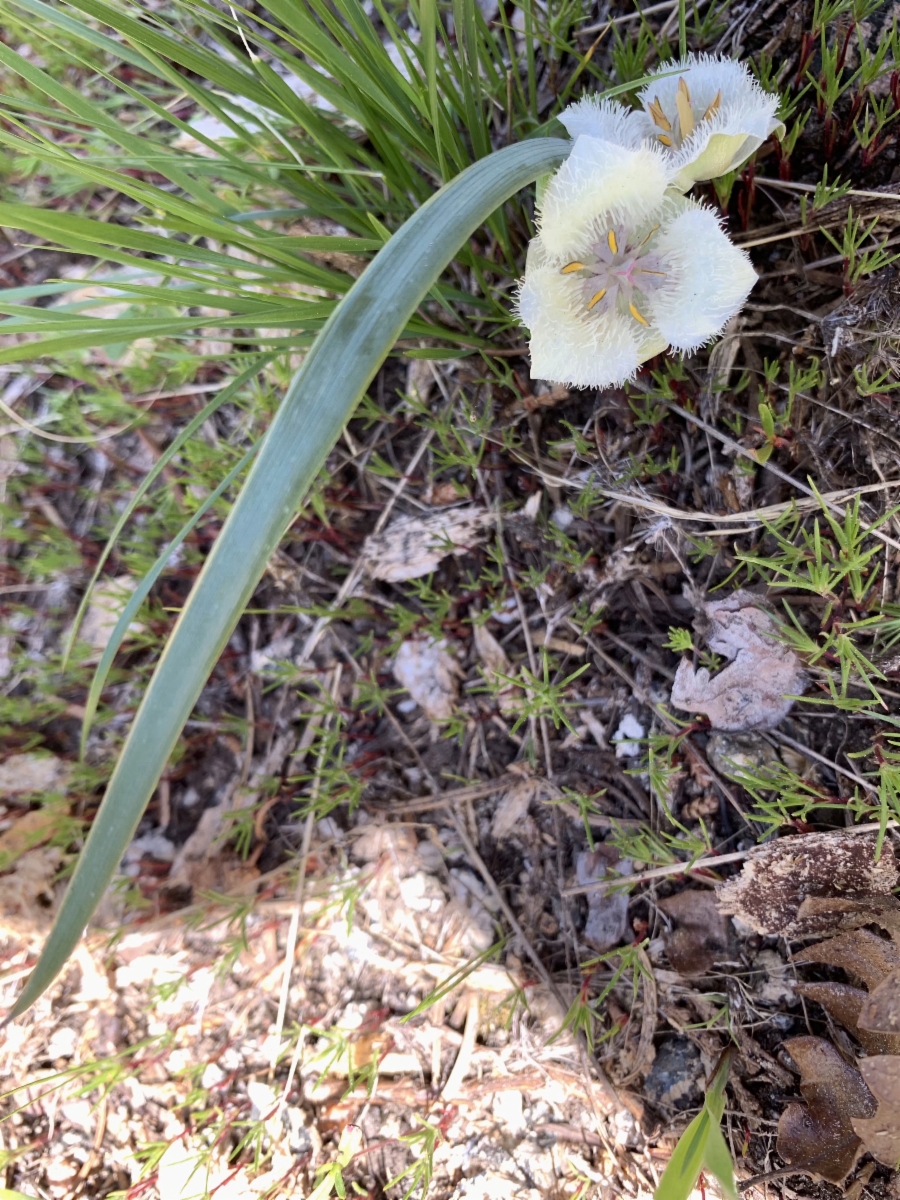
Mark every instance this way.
x=711 y=116
x=708 y=114
x=622 y=269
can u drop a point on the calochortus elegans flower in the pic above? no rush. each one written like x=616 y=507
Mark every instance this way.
x=623 y=267
x=708 y=114
x=711 y=116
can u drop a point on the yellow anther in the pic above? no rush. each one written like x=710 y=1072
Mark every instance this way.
x=645 y=271
x=649 y=236
x=685 y=113
x=713 y=107
x=666 y=141
x=569 y=268
x=612 y=241
x=659 y=117
x=596 y=298
x=637 y=316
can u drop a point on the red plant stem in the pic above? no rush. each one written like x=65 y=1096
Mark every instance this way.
x=842 y=57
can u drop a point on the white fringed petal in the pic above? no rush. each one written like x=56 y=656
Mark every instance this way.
x=709 y=278
x=744 y=118
x=594 y=117
x=568 y=344
x=623 y=268
x=600 y=179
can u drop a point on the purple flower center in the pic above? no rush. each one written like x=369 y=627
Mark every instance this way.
x=615 y=269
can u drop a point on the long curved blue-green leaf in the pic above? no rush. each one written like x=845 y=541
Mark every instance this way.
x=323 y=394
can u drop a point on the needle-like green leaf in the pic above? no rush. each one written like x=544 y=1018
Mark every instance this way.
x=322 y=396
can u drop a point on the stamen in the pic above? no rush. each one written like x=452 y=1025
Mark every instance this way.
x=571 y=267
x=659 y=117
x=647 y=271
x=666 y=141
x=685 y=113
x=637 y=316
x=596 y=298
x=612 y=242
x=649 y=236
x=713 y=108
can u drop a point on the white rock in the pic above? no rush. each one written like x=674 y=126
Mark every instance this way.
x=430 y=674
x=154 y=844
x=627 y=736
x=182 y=1172
x=62 y=1042
x=212 y=1075
x=508 y=1111
x=31 y=773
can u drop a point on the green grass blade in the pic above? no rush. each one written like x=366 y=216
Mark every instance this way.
x=717 y=1161
x=428 y=19
x=156 y=470
x=686 y=1162
x=699 y=1146
x=140 y=593
x=342 y=362
x=467 y=46
x=188 y=54
x=83 y=31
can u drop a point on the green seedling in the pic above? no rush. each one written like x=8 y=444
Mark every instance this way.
x=702 y=1147
x=420 y=1171
x=679 y=640
x=584 y=1016
x=330 y=1176
x=859 y=261
x=880 y=386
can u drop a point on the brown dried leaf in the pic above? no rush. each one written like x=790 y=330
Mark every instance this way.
x=491 y=653
x=841 y=1000
x=778 y=876
x=203 y=863
x=374 y=842
x=750 y=693
x=820 y=1135
x=881 y=1134
x=513 y=808
x=859 y=951
x=414 y=546
x=29 y=830
x=496 y=664
x=845 y=1004
x=27 y=891
x=880 y=1012
x=607 y=919
x=702 y=936
x=852 y=912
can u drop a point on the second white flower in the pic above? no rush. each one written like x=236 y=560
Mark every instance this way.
x=610 y=282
